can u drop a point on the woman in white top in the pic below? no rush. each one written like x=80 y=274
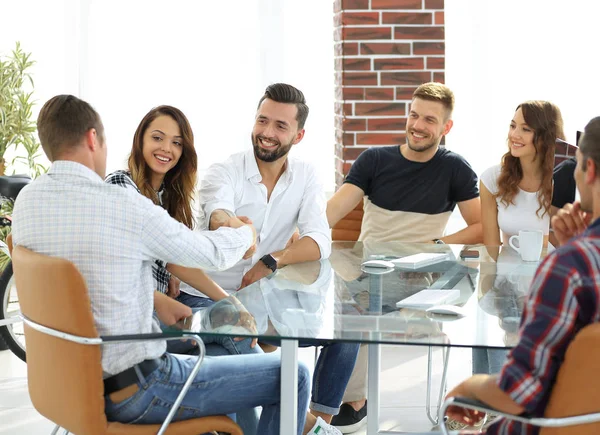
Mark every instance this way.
x=517 y=194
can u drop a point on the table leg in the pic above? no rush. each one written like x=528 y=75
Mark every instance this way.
x=373 y=389
x=289 y=387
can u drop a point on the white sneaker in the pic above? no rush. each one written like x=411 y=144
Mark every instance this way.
x=322 y=428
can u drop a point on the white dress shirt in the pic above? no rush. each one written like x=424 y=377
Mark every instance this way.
x=297 y=201
x=113 y=235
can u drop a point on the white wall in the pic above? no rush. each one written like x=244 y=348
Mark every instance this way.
x=501 y=53
x=212 y=60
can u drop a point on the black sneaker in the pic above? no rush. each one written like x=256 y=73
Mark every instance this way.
x=349 y=420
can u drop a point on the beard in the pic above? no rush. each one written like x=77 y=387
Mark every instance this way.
x=422 y=147
x=269 y=155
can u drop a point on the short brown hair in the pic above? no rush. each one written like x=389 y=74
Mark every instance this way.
x=284 y=93
x=63 y=121
x=439 y=92
x=589 y=143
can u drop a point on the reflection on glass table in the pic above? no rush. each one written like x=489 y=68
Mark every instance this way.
x=342 y=300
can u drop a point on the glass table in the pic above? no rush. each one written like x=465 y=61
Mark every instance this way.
x=340 y=299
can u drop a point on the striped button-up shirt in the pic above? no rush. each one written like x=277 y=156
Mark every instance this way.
x=564 y=298
x=113 y=235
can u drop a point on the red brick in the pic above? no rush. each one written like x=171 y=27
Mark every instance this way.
x=380 y=109
x=380 y=138
x=359 y=79
x=399 y=63
x=439 y=18
x=418 y=32
x=436 y=62
x=352 y=153
x=354 y=124
x=358 y=18
x=343 y=109
x=337 y=34
x=405 y=93
x=414 y=78
x=559 y=159
x=348 y=139
x=346 y=49
x=407 y=18
x=572 y=151
x=391 y=124
x=359 y=33
x=429 y=48
x=434 y=4
x=357 y=64
x=384 y=48
x=379 y=93
x=339 y=180
x=396 y=4
x=353 y=93
x=439 y=76
x=355 y=4
x=337 y=64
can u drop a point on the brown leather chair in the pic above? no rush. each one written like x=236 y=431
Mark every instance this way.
x=574 y=406
x=348 y=228
x=64 y=377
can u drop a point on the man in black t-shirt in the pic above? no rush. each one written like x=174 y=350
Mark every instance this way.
x=411 y=191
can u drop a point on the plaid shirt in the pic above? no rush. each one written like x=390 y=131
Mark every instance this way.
x=112 y=235
x=159 y=269
x=564 y=298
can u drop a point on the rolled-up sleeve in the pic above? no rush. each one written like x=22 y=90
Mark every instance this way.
x=312 y=219
x=216 y=193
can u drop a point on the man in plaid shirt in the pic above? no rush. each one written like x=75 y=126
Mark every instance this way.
x=564 y=298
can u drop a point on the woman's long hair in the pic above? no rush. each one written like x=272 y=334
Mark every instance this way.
x=179 y=183
x=546 y=121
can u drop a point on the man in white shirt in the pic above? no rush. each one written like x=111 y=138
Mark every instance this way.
x=113 y=235
x=278 y=194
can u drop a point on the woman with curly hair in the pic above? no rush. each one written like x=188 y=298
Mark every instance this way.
x=517 y=194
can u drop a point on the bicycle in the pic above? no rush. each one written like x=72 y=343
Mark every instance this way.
x=11 y=335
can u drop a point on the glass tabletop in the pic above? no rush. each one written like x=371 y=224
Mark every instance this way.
x=344 y=299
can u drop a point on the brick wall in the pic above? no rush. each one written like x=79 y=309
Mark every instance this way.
x=384 y=49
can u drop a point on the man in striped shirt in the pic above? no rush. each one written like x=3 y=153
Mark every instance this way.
x=564 y=298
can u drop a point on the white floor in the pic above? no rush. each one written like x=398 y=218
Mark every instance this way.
x=403 y=385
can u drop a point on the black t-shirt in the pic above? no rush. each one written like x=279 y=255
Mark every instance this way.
x=394 y=183
x=564 y=183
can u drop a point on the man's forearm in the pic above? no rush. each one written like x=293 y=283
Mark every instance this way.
x=218 y=218
x=468 y=236
x=305 y=249
x=485 y=388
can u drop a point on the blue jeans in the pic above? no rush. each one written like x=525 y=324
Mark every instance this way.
x=223 y=385
x=332 y=373
x=488 y=361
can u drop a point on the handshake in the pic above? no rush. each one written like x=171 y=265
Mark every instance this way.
x=239 y=221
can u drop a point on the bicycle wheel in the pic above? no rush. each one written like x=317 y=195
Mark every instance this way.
x=13 y=335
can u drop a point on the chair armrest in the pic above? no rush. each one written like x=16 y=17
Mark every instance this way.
x=477 y=405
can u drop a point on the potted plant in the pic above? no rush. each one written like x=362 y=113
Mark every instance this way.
x=17 y=128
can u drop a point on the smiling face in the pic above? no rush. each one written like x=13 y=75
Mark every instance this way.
x=162 y=147
x=521 y=137
x=427 y=124
x=275 y=130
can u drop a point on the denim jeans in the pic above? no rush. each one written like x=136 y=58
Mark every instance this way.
x=224 y=385
x=488 y=361
x=332 y=372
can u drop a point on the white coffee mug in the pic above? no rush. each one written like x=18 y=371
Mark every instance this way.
x=530 y=244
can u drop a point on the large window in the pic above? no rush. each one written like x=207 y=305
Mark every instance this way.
x=213 y=60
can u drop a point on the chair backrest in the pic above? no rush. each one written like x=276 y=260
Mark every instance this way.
x=65 y=378
x=348 y=228
x=576 y=390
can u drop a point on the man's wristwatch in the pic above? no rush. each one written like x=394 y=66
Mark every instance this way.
x=270 y=262
x=438 y=242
